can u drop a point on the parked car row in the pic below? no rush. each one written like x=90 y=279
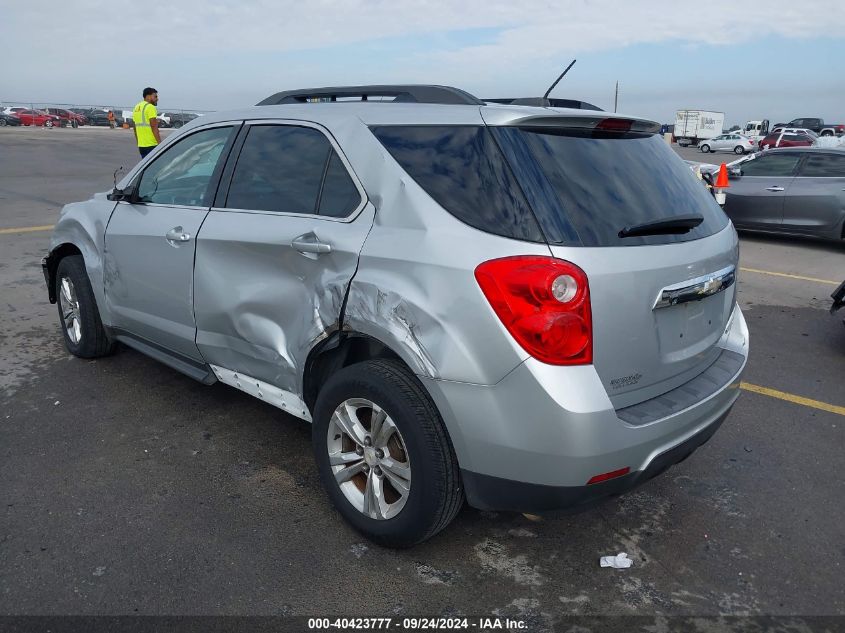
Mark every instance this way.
x=74 y=117
x=27 y=116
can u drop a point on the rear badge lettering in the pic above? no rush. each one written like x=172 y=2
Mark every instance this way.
x=625 y=381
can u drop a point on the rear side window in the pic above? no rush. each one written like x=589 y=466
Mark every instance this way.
x=824 y=166
x=586 y=186
x=339 y=197
x=775 y=165
x=290 y=169
x=462 y=169
x=280 y=168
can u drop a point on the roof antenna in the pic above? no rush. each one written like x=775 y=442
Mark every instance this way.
x=552 y=87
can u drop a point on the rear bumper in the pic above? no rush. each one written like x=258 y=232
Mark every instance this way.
x=534 y=440
x=492 y=493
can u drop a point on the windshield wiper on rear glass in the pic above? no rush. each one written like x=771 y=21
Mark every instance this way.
x=676 y=225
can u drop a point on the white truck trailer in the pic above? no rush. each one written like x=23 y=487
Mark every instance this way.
x=692 y=126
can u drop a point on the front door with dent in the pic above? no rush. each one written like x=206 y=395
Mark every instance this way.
x=151 y=240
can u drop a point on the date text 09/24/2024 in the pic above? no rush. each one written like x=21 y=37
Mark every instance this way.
x=416 y=624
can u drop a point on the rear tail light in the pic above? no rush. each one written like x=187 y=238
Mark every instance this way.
x=545 y=305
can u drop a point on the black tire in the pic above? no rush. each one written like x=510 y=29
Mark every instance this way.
x=436 y=493
x=93 y=341
x=705 y=149
x=2 y=122
x=739 y=149
x=48 y=123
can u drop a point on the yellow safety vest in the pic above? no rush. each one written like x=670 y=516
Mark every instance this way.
x=141 y=115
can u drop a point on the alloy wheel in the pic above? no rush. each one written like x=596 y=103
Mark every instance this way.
x=70 y=311
x=369 y=458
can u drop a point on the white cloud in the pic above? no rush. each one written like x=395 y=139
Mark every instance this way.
x=96 y=50
x=532 y=28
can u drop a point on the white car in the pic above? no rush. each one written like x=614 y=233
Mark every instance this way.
x=736 y=143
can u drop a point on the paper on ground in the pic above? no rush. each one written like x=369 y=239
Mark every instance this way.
x=620 y=561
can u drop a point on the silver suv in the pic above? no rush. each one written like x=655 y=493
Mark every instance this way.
x=530 y=308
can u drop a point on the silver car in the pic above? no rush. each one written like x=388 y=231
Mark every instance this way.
x=736 y=143
x=525 y=308
x=798 y=191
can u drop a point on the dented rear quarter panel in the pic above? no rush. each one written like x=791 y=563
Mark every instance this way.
x=415 y=289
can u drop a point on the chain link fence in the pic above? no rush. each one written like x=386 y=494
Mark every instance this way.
x=76 y=115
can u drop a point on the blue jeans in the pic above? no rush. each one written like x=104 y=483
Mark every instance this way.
x=146 y=150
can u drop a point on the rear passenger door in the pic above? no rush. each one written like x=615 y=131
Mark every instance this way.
x=755 y=200
x=815 y=202
x=276 y=253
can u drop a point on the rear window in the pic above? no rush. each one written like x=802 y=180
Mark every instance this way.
x=462 y=169
x=585 y=186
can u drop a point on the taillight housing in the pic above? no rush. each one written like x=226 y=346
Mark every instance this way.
x=544 y=303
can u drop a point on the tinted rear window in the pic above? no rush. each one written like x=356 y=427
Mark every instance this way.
x=463 y=170
x=586 y=186
x=824 y=166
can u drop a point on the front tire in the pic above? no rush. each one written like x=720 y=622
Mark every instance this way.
x=48 y=124
x=705 y=149
x=79 y=317
x=384 y=455
x=739 y=149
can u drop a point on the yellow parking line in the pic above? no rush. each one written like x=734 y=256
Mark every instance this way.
x=801 y=277
x=26 y=229
x=782 y=395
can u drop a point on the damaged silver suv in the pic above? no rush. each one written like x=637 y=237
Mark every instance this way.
x=529 y=308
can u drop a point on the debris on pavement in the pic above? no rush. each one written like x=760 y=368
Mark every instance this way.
x=620 y=561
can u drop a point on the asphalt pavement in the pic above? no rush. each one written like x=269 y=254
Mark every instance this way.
x=127 y=488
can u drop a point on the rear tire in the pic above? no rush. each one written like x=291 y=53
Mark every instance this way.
x=434 y=492
x=48 y=124
x=705 y=149
x=79 y=317
x=739 y=149
x=2 y=122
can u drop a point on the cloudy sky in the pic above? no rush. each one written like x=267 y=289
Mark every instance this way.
x=775 y=59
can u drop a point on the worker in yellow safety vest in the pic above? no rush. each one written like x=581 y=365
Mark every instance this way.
x=146 y=124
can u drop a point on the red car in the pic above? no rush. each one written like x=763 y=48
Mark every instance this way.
x=786 y=139
x=38 y=117
x=72 y=118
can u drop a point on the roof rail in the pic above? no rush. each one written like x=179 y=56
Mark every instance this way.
x=400 y=94
x=547 y=102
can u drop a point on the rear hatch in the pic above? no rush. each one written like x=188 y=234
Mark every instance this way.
x=661 y=295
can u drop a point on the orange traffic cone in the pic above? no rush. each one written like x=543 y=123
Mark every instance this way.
x=721 y=184
x=722 y=178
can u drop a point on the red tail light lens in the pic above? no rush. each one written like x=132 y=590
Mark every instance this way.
x=545 y=305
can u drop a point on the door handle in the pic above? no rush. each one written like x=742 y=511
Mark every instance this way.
x=775 y=188
x=308 y=243
x=176 y=234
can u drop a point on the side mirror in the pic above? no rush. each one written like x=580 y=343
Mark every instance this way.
x=119 y=195
x=734 y=172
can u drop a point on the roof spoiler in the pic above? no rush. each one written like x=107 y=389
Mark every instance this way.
x=546 y=102
x=415 y=93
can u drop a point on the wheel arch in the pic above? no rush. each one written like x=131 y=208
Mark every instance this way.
x=340 y=349
x=51 y=265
